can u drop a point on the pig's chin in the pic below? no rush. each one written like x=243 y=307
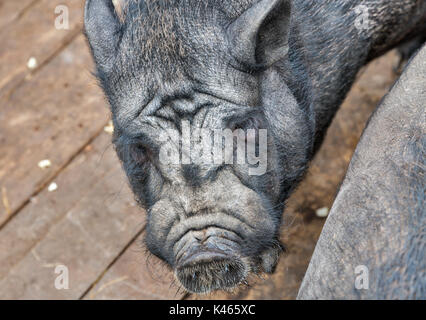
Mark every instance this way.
x=215 y=271
x=216 y=263
x=212 y=264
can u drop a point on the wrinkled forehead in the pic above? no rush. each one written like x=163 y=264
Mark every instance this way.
x=174 y=48
x=193 y=109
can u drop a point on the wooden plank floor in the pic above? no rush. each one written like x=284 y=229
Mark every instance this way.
x=91 y=223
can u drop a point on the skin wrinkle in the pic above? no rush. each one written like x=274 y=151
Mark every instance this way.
x=173 y=61
x=178 y=247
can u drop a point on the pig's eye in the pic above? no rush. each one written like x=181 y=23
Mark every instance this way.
x=139 y=153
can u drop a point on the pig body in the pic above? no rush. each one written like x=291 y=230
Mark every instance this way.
x=279 y=66
x=373 y=245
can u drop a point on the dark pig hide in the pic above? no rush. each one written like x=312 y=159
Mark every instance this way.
x=279 y=65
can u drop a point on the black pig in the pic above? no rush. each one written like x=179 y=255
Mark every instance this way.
x=245 y=65
x=373 y=245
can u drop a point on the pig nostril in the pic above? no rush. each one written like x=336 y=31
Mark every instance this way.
x=201 y=236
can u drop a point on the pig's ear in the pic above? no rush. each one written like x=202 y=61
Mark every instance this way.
x=102 y=28
x=260 y=35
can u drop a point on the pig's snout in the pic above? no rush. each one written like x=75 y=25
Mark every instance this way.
x=210 y=250
x=208 y=260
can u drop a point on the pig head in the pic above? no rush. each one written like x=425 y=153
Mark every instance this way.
x=171 y=66
x=271 y=72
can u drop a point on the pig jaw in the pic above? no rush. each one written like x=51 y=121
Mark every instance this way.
x=218 y=259
x=217 y=251
x=212 y=259
x=206 y=260
x=216 y=248
x=215 y=235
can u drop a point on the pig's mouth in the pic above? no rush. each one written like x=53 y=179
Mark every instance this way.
x=209 y=260
x=217 y=250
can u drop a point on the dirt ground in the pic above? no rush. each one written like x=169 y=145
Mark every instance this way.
x=76 y=211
